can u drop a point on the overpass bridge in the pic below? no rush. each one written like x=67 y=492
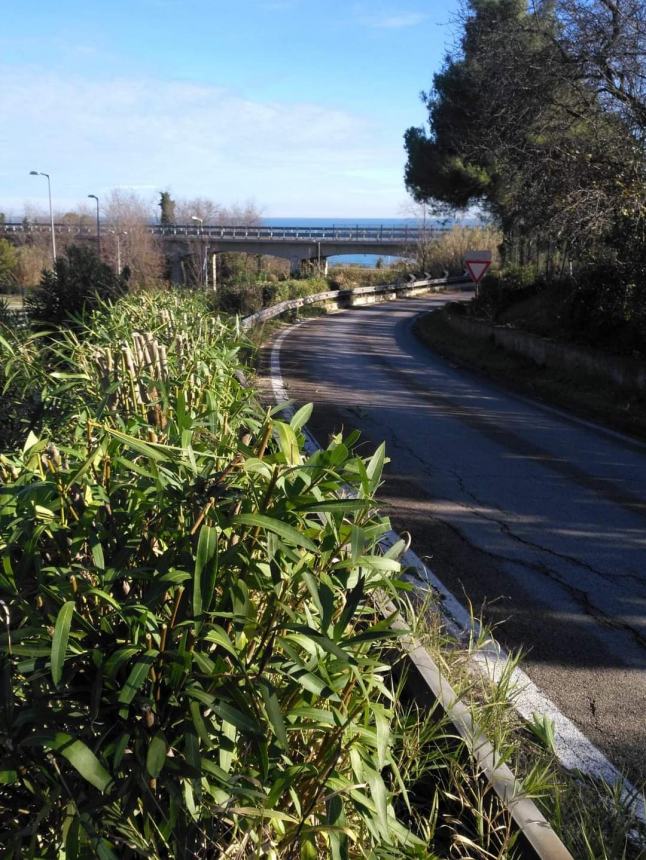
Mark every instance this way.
x=296 y=244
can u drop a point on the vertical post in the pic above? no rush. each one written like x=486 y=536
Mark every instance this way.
x=214 y=262
x=51 y=211
x=51 y=217
x=98 y=225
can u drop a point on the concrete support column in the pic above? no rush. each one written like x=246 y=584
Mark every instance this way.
x=176 y=269
x=294 y=265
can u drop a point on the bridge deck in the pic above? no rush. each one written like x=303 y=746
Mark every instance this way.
x=361 y=235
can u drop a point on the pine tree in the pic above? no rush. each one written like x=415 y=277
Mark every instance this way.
x=167 y=206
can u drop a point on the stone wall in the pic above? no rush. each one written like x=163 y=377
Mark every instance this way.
x=624 y=372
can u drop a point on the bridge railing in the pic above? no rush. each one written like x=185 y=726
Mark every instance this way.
x=267 y=233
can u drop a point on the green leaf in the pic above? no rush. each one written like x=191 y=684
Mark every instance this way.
x=236 y=718
x=301 y=417
x=59 y=640
x=8 y=777
x=219 y=636
x=104 y=852
x=380 y=797
x=335 y=506
x=288 y=443
x=136 y=678
x=200 y=725
x=97 y=554
x=288 y=533
x=375 y=467
x=311 y=682
x=206 y=568
x=274 y=712
x=383 y=736
x=159 y=453
x=82 y=759
x=121 y=655
x=156 y=755
x=104 y=596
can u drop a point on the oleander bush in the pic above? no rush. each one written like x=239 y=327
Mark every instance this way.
x=191 y=661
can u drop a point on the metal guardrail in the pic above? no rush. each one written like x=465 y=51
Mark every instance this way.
x=345 y=296
x=382 y=234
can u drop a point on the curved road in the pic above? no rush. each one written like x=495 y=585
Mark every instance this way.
x=528 y=513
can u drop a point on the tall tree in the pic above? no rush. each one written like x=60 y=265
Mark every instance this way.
x=167 y=206
x=517 y=124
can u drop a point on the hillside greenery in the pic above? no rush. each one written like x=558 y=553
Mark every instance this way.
x=538 y=116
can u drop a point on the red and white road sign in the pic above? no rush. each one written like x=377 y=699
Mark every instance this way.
x=477 y=263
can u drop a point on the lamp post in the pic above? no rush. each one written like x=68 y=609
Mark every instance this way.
x=51 y=211
x=117 y=234
x=205 y=268
x=98 y=224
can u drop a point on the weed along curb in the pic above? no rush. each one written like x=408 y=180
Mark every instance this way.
x=529 y=819
x=532 y=824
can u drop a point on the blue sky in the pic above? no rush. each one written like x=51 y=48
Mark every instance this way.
x=297 y=105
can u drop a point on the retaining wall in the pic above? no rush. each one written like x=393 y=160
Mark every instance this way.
x=624 y=372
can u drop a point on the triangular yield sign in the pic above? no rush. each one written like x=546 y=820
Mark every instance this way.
x=477 y=268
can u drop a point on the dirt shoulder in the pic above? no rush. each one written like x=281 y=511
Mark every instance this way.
x=584 y=395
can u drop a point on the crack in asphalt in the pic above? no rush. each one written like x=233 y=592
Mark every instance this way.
x=604 y=692
x=490 y=428
x=580 y=595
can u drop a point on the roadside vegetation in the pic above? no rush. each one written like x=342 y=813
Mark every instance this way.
x=538 y=117
x=193 y=658
x=583 y=394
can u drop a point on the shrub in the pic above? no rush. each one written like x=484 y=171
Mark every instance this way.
x=77 y=284
x=190 y=665
x=606 y=307
x=498 y=291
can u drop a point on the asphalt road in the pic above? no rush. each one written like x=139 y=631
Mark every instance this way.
x=534 y=516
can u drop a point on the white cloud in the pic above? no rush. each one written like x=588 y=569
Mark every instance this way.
x=398 y=21
x=192 y=138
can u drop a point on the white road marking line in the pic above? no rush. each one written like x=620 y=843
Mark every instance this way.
x=574 y=750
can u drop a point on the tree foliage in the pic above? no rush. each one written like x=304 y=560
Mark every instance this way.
x=167 y=206
x=539 y=117
x=8 y=266
x=78 y=283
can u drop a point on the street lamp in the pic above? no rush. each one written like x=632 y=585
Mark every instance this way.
x=205 y=268
x=117 y=234
x=51 y=211
x=98 y=225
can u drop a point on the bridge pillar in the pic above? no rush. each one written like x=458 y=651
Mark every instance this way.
x=177 y=275
x=214 y=271
x=295 y=265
